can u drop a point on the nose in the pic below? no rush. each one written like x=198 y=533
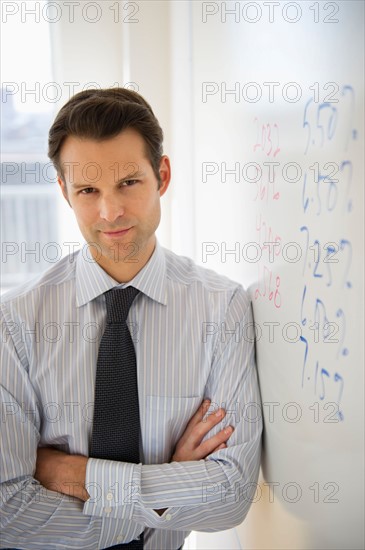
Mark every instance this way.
x=111 y=208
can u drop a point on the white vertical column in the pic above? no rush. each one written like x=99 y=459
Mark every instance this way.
x=182 y=130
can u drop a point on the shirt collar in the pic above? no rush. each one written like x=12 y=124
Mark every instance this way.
x=92 y=281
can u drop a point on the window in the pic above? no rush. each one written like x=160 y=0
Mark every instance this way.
x=29 y=195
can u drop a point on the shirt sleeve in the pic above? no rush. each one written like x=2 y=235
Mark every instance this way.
x=32 y=517
x=211 y=494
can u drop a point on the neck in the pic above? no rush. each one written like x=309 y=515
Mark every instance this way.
x=125 y=269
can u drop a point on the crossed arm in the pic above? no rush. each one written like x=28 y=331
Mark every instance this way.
x=68 y=472
x=208 y=483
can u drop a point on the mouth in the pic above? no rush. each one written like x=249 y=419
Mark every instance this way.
x=118 y=233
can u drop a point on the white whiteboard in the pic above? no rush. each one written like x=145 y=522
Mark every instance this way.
x=285 y=84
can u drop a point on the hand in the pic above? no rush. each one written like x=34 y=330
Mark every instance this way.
x=61 y=472
x=190 y=446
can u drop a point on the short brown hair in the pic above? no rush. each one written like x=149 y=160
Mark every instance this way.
x=101 y=114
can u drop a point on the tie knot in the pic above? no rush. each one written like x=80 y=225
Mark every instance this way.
x=118 y=301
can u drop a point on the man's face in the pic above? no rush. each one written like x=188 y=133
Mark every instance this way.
x=114 y=193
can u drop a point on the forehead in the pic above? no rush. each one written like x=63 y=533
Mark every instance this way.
x=128 y=146
x=109 y=161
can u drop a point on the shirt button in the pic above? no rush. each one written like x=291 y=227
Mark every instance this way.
x=120 y=538
x=109 y=496
x=168 y=517
x=107 y=509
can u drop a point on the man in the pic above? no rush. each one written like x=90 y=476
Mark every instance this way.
x=198 y=398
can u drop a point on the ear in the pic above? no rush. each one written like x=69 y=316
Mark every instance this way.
x=63 y=187
x=165 y=174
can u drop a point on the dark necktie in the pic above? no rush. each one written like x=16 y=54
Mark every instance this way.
x=116 y=424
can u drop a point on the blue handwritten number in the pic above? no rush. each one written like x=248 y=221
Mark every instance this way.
x=338 y=378
x=317 y=317
x=348 y=201
x=304 y=228
x=331 y=195
x=346 y=244
x=307 y=125
x=340 y=314
x=302 y=339
x=351 y=131
x=330 y=250
x=320 y=178
x=325 y=373
x=305 y=201
x=304 y=319
x=315 y=274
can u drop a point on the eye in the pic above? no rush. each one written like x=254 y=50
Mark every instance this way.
x=86 y=191
x=129 y=183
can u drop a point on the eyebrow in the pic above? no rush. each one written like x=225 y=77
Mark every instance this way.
x=135 y=175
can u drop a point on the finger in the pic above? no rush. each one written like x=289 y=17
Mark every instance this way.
x=200 y=413
x=195 y=419
x=208 y=446
x=201 y=429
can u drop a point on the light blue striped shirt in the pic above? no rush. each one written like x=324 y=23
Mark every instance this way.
x=192 y=331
